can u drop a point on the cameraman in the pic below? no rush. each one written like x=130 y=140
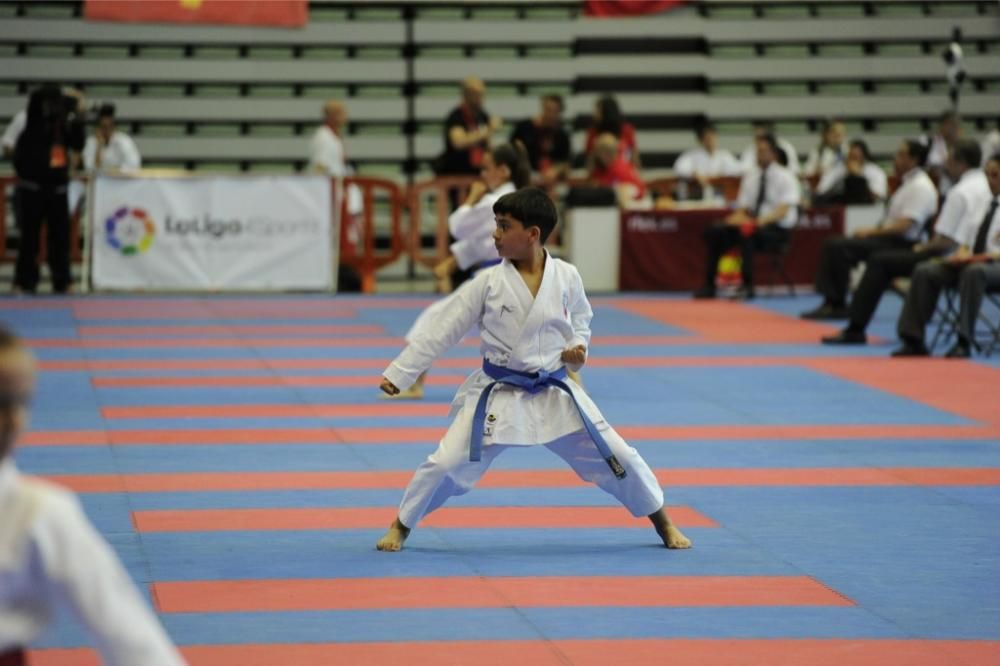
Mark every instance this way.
x=42 y=160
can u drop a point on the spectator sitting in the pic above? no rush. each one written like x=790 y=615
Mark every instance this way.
x=912 y=204
x=830 y=151
x=108 y=148
x=705 y=162
x=938 y=145
x=546 y=141
x=857 y=180
x=608 y=119
x=766 y=128
x=612 y=170
x=767 y=210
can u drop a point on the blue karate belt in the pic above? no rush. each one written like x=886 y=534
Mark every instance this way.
x=533 y=382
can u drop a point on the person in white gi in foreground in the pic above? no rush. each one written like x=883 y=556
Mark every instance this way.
x=534 y=319
x=50 y=554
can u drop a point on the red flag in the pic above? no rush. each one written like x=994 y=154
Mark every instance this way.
x=273 y=13
x=622 y=8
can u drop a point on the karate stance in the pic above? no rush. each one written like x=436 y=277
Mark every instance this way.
x=534 y=320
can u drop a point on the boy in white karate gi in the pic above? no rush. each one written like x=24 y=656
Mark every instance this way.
x=534 y=320
x=51 y=555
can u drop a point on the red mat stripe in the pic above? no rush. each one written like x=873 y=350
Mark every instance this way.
x=381 y=409
x=336 y=518
x=479 y=592
x=427 y=435
x=677 y=652
x=233 y=329
x=228 y=481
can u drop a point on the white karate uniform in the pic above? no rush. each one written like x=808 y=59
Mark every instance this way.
x=525 y=334
x=472 y=227
x=326 y=154
x=120 y=154
x=51 y=556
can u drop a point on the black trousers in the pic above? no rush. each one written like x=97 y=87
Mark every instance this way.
x=840 y=254
x=880 y=270
x=720 y=238
x=13 y=658
x=37 y=206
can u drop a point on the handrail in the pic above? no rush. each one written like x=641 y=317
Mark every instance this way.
x=441 y=186
x=368 y=261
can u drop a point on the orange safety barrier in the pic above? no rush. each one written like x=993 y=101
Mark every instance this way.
x=76 y=253
x=368 y=260
x=440 y=188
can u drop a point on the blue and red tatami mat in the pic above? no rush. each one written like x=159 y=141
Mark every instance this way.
x=843 y=505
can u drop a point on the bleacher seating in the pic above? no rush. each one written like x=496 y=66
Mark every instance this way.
x=222 y=98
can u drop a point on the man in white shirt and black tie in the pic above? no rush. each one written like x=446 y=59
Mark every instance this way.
x=767 y=209
x=52 y=557
x=974 y=268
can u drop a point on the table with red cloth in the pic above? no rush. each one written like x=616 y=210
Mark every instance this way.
x=663 y=250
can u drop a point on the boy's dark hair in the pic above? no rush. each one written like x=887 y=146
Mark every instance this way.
x=532 y=207
x=917 y=150
x=968 y=152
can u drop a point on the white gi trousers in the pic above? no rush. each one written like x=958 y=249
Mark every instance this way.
x=448 y=472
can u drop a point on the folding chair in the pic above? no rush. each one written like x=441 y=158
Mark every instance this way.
x=986 y=336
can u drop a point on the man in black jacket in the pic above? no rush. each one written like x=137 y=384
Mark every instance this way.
x=41 y=160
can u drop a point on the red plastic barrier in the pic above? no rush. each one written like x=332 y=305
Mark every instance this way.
x=367 y=259
x=439 y=188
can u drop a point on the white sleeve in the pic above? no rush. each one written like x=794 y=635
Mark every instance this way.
x=465 y=308
x=878 y=183
x=468 y=221
x=746 y=197
x=131 y=160
x=90 y=153
x=830 y=178
x=580 y=314
x=949 y=220
x=82 y=569
x=684 y=167
x=14 y=129
x=789 y=192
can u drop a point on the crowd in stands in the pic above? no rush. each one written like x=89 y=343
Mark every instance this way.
x=774 y=184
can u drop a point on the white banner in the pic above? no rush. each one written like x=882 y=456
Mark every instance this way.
x=211 y=233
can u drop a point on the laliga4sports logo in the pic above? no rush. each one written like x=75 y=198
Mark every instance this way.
x=130 y=230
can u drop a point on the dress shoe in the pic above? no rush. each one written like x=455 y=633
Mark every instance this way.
x=704 y=293
x=826 y=312
x=846 y=337
x=960 y=350
x=910 y=349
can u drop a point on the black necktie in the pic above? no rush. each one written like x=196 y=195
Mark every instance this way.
x=760 y=193
x=984 y=228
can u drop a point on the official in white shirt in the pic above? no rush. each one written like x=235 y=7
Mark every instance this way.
x=327 y=154
x=748 y=159
x=706 y=161
x=52 y=557
x=856 y=180
x=767 y=209
x=974 y=269
x=108 y=148
x=885 y=266
x=910 y=208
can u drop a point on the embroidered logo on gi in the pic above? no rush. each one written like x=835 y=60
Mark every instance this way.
x=505 y=308
x=491 y=420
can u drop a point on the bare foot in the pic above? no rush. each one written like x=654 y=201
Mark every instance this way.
x=392 y=541
x=672 y=537
x=675 y=539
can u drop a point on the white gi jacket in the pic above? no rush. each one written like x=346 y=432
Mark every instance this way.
x=50 y=554
x=518 y=332
x=472 y=227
